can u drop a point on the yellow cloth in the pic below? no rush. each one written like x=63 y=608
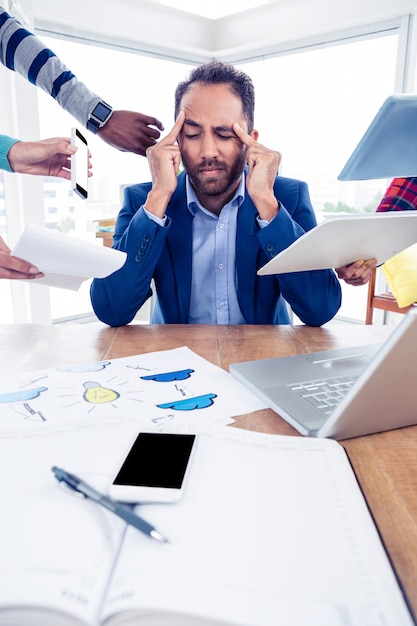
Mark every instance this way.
x=401 y=275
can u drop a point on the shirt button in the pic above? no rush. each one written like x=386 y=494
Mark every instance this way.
x=221 y=225
x=220 y=266
x=221 y=305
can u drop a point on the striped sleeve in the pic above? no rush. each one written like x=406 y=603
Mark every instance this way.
x=23 y=52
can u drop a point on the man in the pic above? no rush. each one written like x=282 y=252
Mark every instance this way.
x=23 y=52
x=202 y=235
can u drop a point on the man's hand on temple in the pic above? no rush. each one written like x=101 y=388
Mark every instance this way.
x=263 y=166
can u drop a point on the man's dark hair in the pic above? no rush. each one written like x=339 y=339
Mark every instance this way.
x=216 y=73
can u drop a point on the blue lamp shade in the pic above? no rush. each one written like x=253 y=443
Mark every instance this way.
x=388 y=148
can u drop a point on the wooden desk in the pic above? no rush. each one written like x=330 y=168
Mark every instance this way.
x=385 y=464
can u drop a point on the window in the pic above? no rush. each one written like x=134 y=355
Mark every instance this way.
x=5 y=285
x=138 y=83
x=2 y=207
x=314 y=107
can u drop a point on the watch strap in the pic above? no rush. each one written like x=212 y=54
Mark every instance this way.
x=93 y=125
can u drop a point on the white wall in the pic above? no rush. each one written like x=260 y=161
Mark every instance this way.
x=153 y=27
x=284 y=24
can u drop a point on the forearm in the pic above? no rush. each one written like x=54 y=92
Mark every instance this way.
x=6 y=143
x=117 y=298
x=112 y=304
x=315 y=297
x=25 y=53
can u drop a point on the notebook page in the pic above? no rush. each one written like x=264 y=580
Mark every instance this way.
x=270 y=530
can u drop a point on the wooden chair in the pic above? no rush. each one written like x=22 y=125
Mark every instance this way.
x=105 y=229
x=385 y=301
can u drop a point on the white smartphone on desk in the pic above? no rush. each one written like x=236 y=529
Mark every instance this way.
x=79 y=164
x=155 y=468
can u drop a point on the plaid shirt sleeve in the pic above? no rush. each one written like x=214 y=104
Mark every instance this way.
x=401 y=195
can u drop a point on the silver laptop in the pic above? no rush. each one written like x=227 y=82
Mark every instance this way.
x=345 y=392
x=388 y=148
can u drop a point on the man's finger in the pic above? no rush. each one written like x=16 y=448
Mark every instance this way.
x=171 y=138
x=243 y=135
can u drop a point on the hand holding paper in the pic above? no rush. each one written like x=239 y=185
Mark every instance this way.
x=66 y=261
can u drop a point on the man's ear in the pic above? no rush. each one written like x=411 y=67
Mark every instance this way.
x=254 y=134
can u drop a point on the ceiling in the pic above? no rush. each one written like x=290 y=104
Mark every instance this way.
x=213 y=10
x=237 y=30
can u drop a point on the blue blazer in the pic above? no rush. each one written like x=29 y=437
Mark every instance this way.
x=165 y=255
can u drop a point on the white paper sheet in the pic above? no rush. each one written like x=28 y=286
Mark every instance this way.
x=162 y=387
x=65 y=260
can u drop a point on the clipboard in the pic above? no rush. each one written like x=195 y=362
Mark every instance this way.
x=341 y=240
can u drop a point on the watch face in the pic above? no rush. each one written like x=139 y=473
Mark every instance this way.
x=101 y=111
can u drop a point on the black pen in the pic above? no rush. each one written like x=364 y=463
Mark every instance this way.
x=121 y=510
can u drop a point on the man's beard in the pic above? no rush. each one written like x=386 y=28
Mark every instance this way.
x=216 y=185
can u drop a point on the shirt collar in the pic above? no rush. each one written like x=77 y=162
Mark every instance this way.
x=193 y=204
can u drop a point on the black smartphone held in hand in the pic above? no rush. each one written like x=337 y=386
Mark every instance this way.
x=79 y=164
x=155 y=468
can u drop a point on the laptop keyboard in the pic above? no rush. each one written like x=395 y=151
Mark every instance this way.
x=324 y=395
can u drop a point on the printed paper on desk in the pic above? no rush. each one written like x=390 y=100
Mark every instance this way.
x=163 y=387
x=65 y=260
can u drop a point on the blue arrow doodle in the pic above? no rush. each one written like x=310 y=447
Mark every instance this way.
x=85 y=367
x=168 y=377
x=198 y=402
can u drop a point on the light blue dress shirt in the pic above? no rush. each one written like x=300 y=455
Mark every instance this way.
x=214 y=281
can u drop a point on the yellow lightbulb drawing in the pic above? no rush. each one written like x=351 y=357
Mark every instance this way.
x=96 y=394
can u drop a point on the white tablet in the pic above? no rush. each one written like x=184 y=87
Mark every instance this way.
x=341 y=240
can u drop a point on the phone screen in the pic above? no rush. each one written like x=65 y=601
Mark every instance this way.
x=79 y=164
x=156 y=460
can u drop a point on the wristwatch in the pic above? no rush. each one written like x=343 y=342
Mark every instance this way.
x=99 y=116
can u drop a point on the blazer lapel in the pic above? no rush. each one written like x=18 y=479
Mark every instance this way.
x=179 y=244
x=246 y=258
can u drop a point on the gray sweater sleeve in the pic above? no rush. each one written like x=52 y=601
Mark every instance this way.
x=22 y=51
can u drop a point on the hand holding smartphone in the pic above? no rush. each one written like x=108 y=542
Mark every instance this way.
x=154 y=469
x=79 y=164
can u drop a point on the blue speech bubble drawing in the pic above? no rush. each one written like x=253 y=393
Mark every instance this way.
x=21 y=395
x=190 y=404
x=168 y=377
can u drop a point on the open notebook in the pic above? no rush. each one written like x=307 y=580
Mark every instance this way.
x=388 y=148
x=341 y=393
x=270 y=531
